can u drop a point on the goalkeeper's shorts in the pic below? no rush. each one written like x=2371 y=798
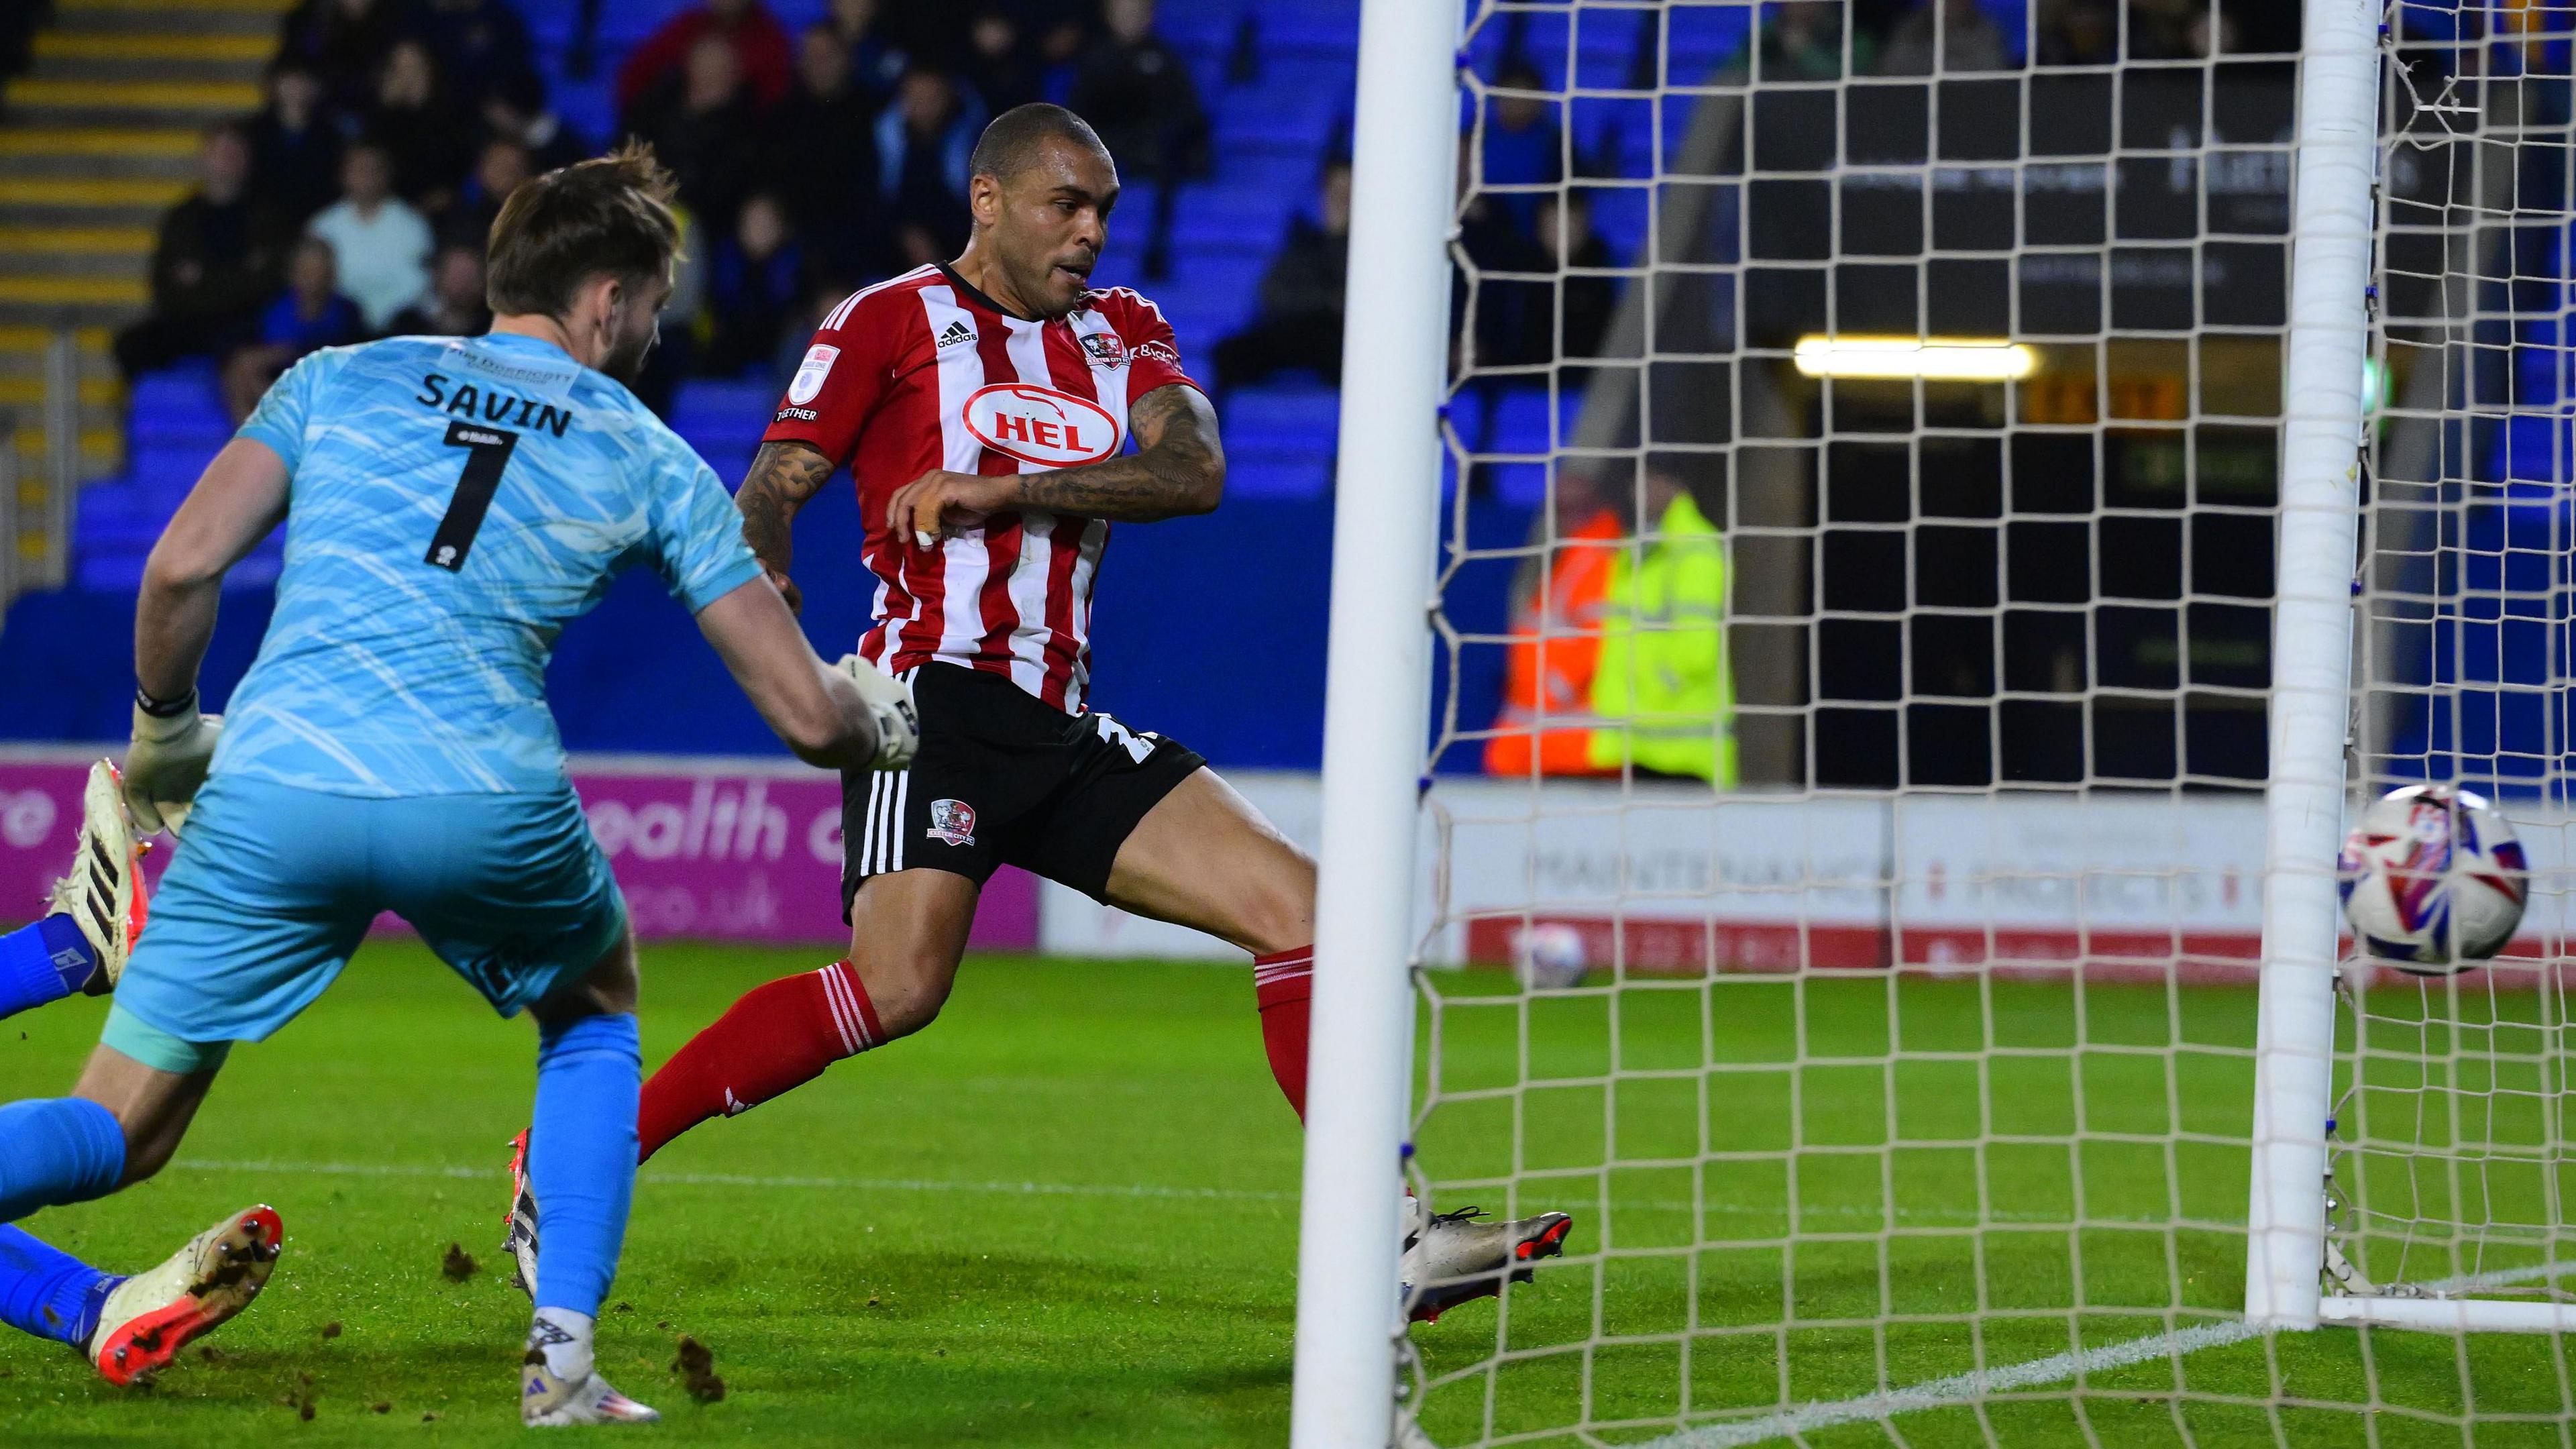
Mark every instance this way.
x=275 y=886
x=1003 y=778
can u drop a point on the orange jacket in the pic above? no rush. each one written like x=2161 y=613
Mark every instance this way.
x=1547 y=671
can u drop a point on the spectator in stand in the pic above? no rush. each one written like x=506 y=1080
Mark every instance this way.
x=346 y=42
x=756 y=277
x=478 y=44
x=1804 y=42
x=1544 y=296
x=1586 y=297
x=2169 y=29
x=497 y=172
x=515 y=109
x=455 y=305
x=923 y=142
x=1522 y=144
x=1136 y=91
x=1663 y=690
x=217 y=258
x=1966 y=41
x=1545 y=725
x=294 y=144
x=309 y=314
x=429 y=139
x=1060 y=30
x=822 y=156
x=762 y=55
x=2078 y=32
x=876 y=63
x=381 y=244
x=1000 y=63
x=1300 y=325
x=702 y=126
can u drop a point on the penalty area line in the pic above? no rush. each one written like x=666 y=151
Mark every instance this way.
x=1967 y=1388
x=734 y=1179
x=1959 y=1388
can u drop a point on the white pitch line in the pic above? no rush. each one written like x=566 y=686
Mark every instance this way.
x=1969 y=1387
x=730 y=1179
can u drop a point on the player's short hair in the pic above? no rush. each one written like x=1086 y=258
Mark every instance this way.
x=1010 y=144
x=608 y=215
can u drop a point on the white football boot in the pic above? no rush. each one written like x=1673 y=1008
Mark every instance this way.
x=1453 y=1257
x=548 y=1402
x=104 y=895
x=149 y=1317
x=559 y=1382
x=520 y=1239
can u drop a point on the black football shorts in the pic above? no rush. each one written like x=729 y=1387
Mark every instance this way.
x=1005 y=779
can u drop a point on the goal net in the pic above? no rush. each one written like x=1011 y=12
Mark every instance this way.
x=1865 y=499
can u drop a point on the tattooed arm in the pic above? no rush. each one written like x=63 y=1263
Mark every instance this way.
x=784 y=477
x=1178 y=469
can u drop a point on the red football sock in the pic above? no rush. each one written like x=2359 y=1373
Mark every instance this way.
x=776 y=1038
x=1281 y=982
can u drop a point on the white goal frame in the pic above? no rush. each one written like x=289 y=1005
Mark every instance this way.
x=2329 y=333
x=2332 y=270
x=1405 y=131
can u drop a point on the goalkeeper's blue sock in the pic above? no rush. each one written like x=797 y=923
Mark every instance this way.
x=56 y=1151
x=581 y=1156
x=43 y=962
x=48 y=1292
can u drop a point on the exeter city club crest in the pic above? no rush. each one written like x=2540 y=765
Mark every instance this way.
x=952 y=821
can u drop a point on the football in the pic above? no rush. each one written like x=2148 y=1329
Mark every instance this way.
x=1549 y=956
x=2433 y=879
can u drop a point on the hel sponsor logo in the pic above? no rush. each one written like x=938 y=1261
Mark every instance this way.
x=800 y=415
x=957 y=333
x=808 y=383
x=1162 y=352
x=1105 y=348
x=1040 y=425
x=952 y=821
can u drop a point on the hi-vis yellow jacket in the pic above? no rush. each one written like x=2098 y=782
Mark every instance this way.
x=1662 y=690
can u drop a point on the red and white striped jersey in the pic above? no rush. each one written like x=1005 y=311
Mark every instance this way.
x=925 y=372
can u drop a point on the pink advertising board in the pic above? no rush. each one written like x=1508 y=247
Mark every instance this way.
x=706 y=849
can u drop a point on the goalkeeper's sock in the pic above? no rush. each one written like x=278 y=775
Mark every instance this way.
x=581 y=1156
x=56 y=1151
x=43 y=962
x=1281 y=983
x=775 y=1039
x=48 y=1292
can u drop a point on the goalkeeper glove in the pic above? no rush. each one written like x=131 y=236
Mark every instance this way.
x=889 y=702
x=166 y=763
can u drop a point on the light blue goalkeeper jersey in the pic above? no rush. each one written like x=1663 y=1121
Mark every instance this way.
x=455 y=502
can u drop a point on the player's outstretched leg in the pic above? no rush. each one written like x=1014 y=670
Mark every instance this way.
x=1451 y=1258
x=580 y=1164
x=1204 y=857
x=96 y=911
x=1282 y=982
x=778 y=1037
x=908 y=931
x=144 y=1321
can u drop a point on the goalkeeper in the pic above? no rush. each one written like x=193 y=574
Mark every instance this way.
x=450 y=505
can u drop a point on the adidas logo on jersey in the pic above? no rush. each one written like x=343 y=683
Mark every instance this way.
x=957 y=332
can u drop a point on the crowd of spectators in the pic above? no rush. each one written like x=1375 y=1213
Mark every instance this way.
x=356 y=201
x=811 y=163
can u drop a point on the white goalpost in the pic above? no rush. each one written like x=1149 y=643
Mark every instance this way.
x=1957 y=520
x=2330 y=282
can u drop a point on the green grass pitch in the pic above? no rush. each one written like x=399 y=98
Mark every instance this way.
x=1066 y=1215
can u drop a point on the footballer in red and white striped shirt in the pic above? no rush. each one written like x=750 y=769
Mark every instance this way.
x=998 y=415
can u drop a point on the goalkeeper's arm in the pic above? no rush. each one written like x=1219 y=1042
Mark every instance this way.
x=846 y=716
x=239 y=499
